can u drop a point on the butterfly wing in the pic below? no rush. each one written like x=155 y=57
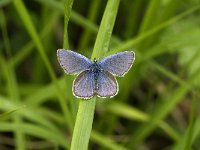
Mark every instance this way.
x=84 y=85
x=118 y=64
x=72 y=62
x=107 y=85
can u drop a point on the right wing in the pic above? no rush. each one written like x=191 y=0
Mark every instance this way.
x=107 y=85
x=72 y=62
x=118 y=64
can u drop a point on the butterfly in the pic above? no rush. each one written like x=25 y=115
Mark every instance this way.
x=95 y=78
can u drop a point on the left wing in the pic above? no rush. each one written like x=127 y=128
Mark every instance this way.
x=72 y=62
x=83 y=86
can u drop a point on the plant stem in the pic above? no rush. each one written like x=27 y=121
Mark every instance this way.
x=84 y=119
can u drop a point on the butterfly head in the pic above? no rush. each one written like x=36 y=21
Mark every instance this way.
x=95 y=60
x=95 y=67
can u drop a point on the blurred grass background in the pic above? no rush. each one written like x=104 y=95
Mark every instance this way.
x=157 y=107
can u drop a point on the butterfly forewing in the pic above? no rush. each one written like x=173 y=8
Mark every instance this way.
x=72 y=62
x=118 y=64
x=107 y=85
x=84 y=85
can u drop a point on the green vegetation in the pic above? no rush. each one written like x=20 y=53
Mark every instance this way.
x=157 y=106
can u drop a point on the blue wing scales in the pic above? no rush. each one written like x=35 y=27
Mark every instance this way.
x=84 y=85
x=72 y=62
x=107 y=85
x=118 y=64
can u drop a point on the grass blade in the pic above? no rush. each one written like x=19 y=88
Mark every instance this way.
x=85 y=113
x=21 y=9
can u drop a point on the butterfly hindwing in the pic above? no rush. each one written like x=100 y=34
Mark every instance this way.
x=107 y=85
x=84 y=85
x=72 y=62
x=118 y=64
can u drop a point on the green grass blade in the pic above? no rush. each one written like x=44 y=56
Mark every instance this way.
x=5 y=114
x=85 y=113
x=105 y=30
x=190 y=131
x=12 y=85
x=28 y=48
x=134 y=114
x=130 y=43
x=34 y=130
x=188 y=138
x=150 y=15
x=4 y=3
x=14 y=94
x=162 y=110
x=83 y=124
x=92 y=16
x=21 y=9
x=106 y=142
x=67 y=13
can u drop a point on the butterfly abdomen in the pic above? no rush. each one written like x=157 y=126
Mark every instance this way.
x=95 y=69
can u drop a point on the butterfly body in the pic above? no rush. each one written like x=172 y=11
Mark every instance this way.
x=95 y=69
x=95 y=78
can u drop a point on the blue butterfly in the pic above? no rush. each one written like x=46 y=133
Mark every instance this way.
x=95 y=78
